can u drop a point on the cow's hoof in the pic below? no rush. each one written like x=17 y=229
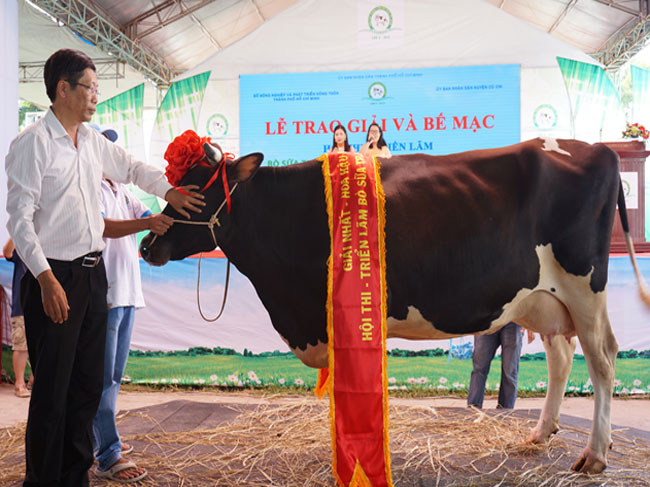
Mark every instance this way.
x=534 y=438
x=589 y=462
x=540 y=435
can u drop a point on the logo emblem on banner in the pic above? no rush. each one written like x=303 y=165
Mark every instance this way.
x=217 y=125
x=381 y=25
x=380 y=19
x=377 y=91
x=545 y=117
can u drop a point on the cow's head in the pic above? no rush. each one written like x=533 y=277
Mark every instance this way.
x=182 y=239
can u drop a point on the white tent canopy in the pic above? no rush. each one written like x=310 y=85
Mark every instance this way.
x=324 y=36
x=313 y=36
x=40 y=36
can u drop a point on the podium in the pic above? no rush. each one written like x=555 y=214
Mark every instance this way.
x=633 y=154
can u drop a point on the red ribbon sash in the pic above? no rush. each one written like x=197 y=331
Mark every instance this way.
x=356 y=326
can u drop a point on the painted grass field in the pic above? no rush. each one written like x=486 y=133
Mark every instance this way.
x=404 y=373
x=430 y=374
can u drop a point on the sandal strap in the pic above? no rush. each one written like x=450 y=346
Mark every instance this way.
x=118 y=467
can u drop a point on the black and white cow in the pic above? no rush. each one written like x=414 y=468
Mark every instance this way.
x=474 y=240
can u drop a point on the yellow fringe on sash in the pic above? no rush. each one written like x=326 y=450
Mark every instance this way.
x=330 y=324
x=322 y=383
x=381 y=212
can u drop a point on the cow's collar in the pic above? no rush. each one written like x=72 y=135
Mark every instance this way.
x=214 y=219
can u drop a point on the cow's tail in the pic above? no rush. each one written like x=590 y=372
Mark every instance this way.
x=622 y=211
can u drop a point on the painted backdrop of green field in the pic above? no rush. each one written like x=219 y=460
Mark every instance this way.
x=428 y=370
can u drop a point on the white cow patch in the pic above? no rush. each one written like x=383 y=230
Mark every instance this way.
x=540 y=309
x=551 y=144
x=543 y=309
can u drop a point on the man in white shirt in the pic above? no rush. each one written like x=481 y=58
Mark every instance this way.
x=54 y=172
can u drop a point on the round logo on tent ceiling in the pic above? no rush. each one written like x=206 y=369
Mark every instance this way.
x=380 y=19
x=377 y=91
x=545 y=117
x=217 y=125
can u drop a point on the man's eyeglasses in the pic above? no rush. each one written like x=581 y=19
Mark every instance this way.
x=93 y=89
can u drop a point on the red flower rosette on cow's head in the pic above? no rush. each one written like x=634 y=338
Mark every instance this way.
x=184 y=151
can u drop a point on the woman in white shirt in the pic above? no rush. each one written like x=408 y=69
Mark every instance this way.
x=375 y=144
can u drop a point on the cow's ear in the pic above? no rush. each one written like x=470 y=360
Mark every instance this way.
x=245 y=167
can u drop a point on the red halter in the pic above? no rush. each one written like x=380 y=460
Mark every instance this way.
x=221 y=168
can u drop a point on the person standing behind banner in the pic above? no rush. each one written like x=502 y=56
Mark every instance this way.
x=54 y=172
x=18 y=340
x=124 y=216
x=375 y=144
x=485 y=347
x=340 y=141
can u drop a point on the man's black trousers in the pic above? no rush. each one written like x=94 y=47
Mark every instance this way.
x=67 y=360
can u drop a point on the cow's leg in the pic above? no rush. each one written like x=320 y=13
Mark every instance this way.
x=600 y=347
x=559 y=357
x=545 y=314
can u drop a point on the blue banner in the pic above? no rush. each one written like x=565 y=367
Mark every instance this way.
x=290 y=117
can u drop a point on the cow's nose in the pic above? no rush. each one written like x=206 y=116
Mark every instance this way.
x=145 y=252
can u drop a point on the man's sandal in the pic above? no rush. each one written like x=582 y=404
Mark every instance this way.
x=21 y=391
x=119 y=467
x=126 y=448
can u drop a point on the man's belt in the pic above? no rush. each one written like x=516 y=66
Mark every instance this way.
x=91 y=259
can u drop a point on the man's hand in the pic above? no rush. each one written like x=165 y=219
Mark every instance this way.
x=159 y=223
x=180 y=201
x=55 y=302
